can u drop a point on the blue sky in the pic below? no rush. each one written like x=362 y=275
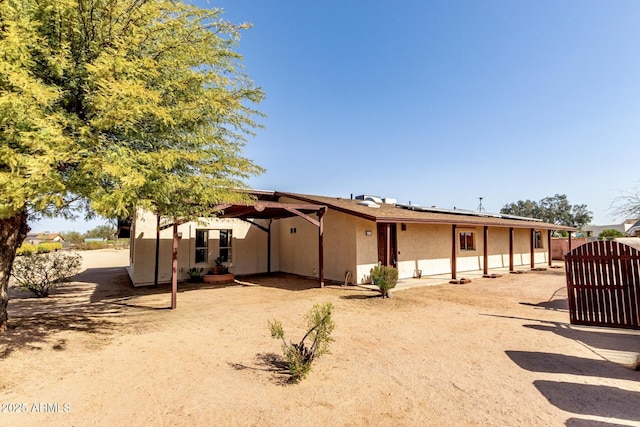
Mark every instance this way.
x=441 y=102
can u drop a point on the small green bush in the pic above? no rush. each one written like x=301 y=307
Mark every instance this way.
x=26 y=249
x=90 y=246
x=610 y=234
x=300 y=356
x=385 y=278
x=45 y=248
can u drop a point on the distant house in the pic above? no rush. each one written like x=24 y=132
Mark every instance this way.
x=338 y=239
x=46 y=237
x=595 y=230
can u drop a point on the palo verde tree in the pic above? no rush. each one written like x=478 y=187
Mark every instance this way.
x=554 y=210
x=117 y=105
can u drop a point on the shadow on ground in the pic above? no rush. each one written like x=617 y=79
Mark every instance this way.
x=268 y=362
x=562 y=364
x=587 y=399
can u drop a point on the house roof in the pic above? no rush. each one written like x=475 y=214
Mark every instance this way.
x=414 y=214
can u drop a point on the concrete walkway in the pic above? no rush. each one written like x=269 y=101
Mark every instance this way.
x=441 y=279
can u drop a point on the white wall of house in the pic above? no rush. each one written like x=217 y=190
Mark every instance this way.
x=248 y=248
x=350 y=245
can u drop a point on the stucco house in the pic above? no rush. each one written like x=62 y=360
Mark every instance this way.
x=46 y=237
x=337 y=239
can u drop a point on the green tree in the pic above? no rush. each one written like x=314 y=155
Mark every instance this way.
x=117 y=105
x=610 y=234
x=554 y=210
x=73 y=237
x=103 y=231
x=627 y=204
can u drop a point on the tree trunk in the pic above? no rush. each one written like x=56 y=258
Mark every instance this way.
x=13 y=231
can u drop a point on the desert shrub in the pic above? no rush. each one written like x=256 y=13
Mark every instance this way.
x=300 y=356
x=39 y=273
x=44 y=248
x=26 y=249
x=89 y=246
x=385 y=278
x=610 y=234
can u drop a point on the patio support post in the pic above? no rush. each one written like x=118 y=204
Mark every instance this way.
x=453 y=252
x=511 y=249
x=155 y=272
x=321 y=247
x=532 y=247
x=269 y=247
x=549 y=243
x=174 y=266
x=485 y=251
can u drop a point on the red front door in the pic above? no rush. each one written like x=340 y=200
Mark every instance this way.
x=387 y=244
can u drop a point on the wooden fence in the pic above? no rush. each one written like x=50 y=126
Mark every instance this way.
x=603 y=284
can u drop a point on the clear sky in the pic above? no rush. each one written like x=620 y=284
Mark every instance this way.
x=442 y=102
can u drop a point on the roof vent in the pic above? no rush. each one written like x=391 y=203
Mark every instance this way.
x=369 y=203
x=366 y=197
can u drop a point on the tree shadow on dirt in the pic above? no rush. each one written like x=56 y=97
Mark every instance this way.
x=581 y=422
x=553 y=303
x=562 y=364
x=590 y=399
x=35 y=322
x=284 y=281
x=269 y=362
x=623 y=340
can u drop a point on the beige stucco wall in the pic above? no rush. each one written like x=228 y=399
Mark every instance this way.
x=428 y=248
x=299 y=250
x=350 y=245
x=249 y=248
x=424 y=247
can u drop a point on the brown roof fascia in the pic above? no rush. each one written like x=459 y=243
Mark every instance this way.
x=457 y=219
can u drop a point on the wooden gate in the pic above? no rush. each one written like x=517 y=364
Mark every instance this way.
x=603 y=284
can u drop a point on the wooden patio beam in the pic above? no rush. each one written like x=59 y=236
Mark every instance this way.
x=305 y=216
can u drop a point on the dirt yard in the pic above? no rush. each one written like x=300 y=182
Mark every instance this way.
x=492 y=352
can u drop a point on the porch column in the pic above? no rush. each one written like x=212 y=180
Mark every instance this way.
x=511 y=249
x=569 y=241
x=155 y=270
x=269 y=247
x=321 y=248
x=532 y=247
x=174 y=267
x=549 y=243
x=453 y=252
x=485 y=251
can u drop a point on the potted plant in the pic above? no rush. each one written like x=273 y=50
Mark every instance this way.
x=195 y=274
x=219 y=268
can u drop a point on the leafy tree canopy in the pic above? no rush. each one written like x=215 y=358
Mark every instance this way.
x=554 y=210
x=103 y=231
x=115 y=105
x=121 y=103
x=610 y=234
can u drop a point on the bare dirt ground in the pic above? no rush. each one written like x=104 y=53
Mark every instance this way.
x=492 y=352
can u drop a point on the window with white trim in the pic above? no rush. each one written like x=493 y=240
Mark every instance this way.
x=225 y=245
x=538 y=240
x=467 y=241
x=202 y=245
